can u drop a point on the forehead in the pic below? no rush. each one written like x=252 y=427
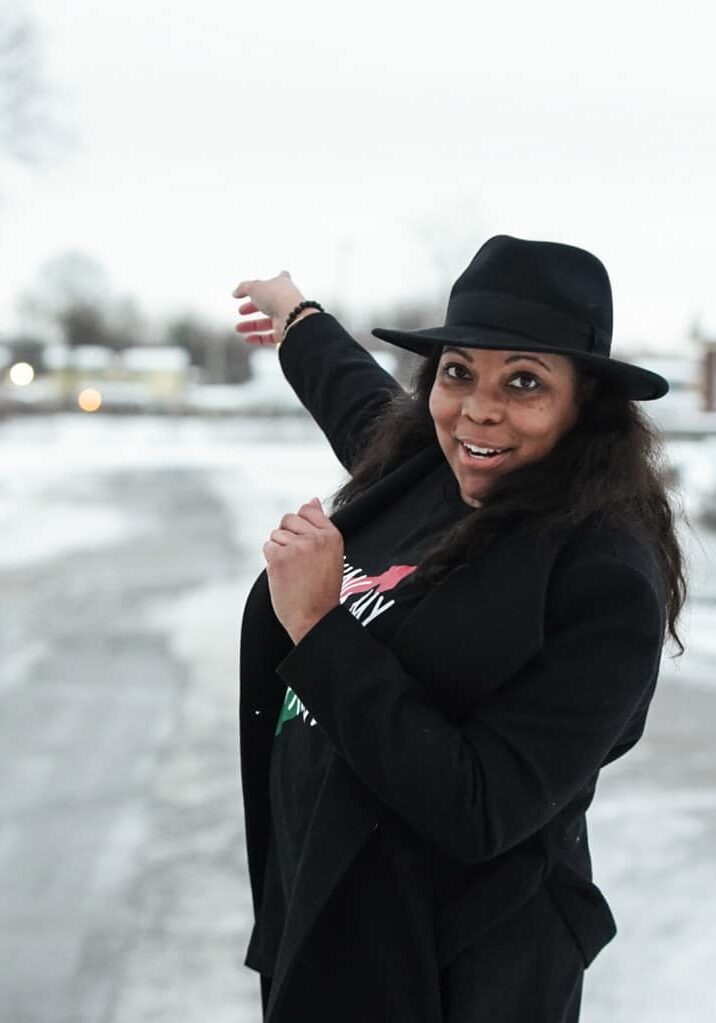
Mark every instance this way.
x=506 y=356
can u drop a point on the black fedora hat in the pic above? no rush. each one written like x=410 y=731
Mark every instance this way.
x=537 y=297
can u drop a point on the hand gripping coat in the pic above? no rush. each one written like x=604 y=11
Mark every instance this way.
x=470 y=745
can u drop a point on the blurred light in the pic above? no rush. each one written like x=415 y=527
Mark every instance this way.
x=22 y=373
x=89 y=400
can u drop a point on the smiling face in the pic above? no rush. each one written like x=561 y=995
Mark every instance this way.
x=519 y=403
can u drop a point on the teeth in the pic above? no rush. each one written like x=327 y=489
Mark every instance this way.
x=481 y=451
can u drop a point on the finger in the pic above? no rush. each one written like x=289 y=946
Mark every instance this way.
x=295 y=524
x=283 y=537
x=248 y=326
x=241 y=290
x=314 y=514
x=249 y=307
x=258 y=339
x=270 y=548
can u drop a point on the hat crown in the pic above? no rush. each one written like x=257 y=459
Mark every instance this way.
x=534 y=296
x=543 y=278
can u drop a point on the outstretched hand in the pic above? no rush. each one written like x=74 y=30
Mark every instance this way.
x=275 y=298
x=305 y=568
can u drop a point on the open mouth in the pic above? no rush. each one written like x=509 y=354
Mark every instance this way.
x=482 y=454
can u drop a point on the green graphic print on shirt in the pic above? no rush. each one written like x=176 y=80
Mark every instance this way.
x=367 y=604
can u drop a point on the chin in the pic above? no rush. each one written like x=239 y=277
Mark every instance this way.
x=470 y=496
x=475 y=502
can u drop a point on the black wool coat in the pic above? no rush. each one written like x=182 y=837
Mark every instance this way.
x=469 y=745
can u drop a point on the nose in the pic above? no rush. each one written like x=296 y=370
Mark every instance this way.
x=482 y=405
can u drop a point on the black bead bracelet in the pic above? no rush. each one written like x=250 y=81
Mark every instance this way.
x=308 y=304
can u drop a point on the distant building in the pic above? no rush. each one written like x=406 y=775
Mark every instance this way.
x=267 y=393
x=161 y=369
x=685 y=379
x=682 y=412
x=141 y=378
x=710 y=375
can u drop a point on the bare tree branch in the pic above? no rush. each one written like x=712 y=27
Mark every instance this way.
x=23 y=117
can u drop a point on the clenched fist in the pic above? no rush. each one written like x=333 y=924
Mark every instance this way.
x=304 y=565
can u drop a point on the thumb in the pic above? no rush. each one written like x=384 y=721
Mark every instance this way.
x=317 y=502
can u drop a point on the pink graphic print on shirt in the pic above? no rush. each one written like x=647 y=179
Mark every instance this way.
x=369 y=590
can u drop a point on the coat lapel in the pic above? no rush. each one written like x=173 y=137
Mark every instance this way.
x=264 y=642
x=345 y=813
x=344 y=816
x=377 y=496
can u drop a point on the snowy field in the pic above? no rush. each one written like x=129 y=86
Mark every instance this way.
x=127 y=548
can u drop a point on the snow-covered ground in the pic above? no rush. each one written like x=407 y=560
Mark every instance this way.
x=127 y=547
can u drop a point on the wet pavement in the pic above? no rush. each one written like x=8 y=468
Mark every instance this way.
x=125 y=890
x=121 y=839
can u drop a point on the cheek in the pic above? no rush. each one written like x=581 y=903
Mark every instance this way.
x=569 y=413
x=544 y=422
x=436 y=406
x=558 y=418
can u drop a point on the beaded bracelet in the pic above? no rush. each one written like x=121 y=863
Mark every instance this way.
x=308 y=304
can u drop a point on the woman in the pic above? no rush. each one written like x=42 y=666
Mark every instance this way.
x=433 y=676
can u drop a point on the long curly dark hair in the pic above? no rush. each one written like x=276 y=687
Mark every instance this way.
x=608 y=469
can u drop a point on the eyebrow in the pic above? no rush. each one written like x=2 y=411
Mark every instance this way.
x=510 y=358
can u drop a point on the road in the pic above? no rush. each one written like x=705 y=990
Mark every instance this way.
x=127 y=553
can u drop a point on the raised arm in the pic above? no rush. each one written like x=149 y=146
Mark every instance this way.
x=336 y=379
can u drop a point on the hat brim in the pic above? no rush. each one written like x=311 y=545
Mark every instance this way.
x=633 y=381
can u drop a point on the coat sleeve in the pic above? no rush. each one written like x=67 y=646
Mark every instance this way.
x=477 y=789
x=336 y=380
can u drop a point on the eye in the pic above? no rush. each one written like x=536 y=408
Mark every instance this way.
x=531 y=380
x=454 y=365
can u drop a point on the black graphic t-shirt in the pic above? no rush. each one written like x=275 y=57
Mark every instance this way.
x=379 y=560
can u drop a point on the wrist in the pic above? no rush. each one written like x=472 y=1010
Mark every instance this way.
x=302 y=314
x=301 y=628
x=298 y=630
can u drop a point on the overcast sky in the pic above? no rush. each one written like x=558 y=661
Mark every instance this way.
x=371 y=149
